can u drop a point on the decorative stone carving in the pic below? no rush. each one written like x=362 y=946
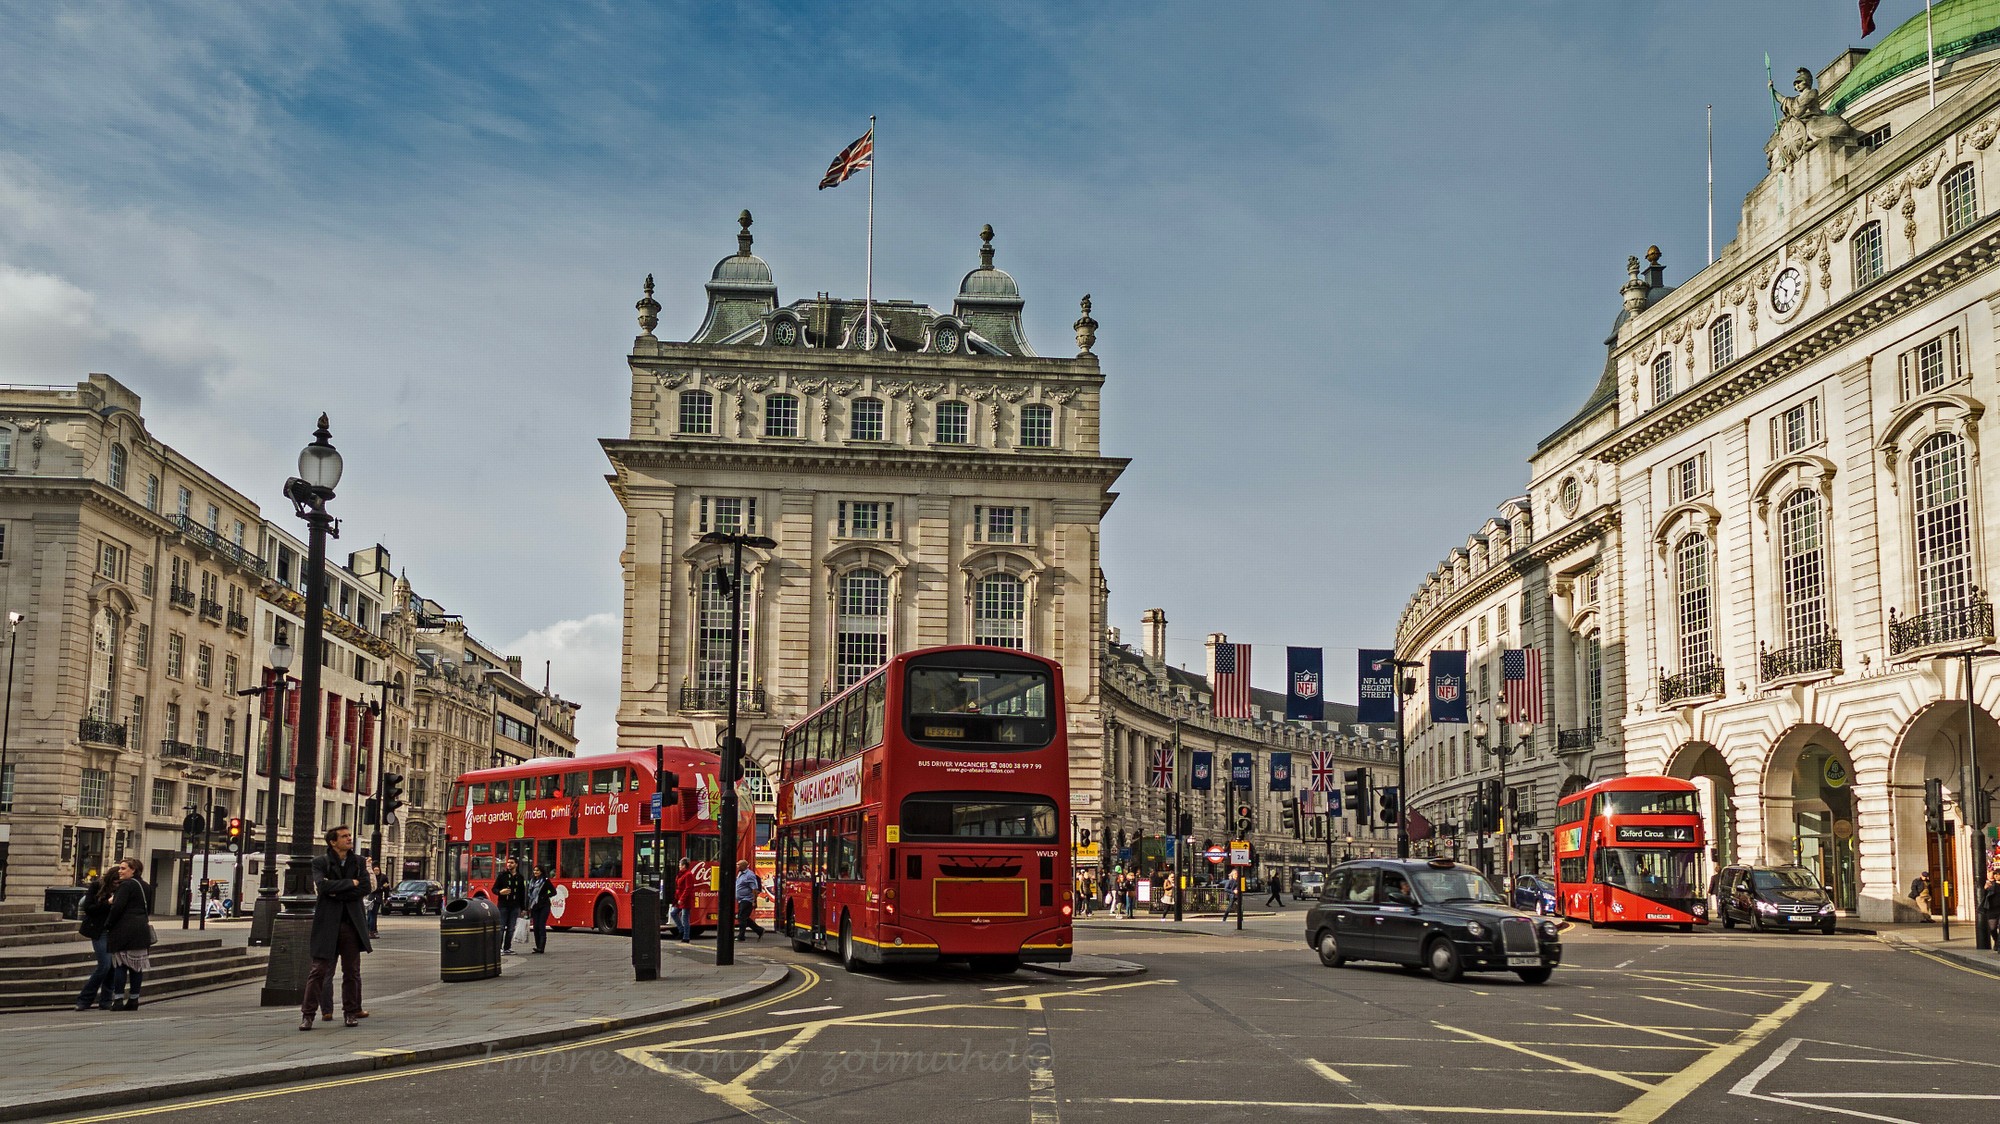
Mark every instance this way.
x=1981 y=136
x=809 y=386
x=1014 y=392
x=844 y=387
x=981 y=392
x=649 y=310
x=726 y=382
x=672 y=380
x=1803 y=125
x=1061 y=395
x=1838 y=226
x=1086 y=329
x=927 y=390
x=759 y=384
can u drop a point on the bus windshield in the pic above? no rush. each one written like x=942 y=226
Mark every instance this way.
x=941 y=816
x=1649 y=804
x=993 y=707
x=1650 y=872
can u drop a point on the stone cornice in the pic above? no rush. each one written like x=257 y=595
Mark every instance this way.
x=651 y=356
x=627 y=454
x=1945 y=265
x=1596 y=525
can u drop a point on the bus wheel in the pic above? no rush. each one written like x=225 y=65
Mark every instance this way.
x=1442 y=959
x=848 y=960
x=998 y=964
x=606 y=917
x=1535 y=975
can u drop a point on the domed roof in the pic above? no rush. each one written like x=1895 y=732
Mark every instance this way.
x=1959 y=27
x=742 y=269
x=986 y=281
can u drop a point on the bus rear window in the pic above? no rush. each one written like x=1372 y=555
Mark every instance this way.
x=957 y=706
x=980 y=815
x=1649 y=803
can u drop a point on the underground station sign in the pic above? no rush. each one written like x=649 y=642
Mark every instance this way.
x=1215 y=855
x=1656 y=833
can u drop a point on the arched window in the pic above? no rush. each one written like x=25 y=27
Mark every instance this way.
x=153 y=493
x=1000 y=612
x=864 y=420
x=1943 y=523
x=954 y=423
x=104 y=666
x=1038 y=425
x=1721 y=343
x=1692 y=572
x=861 y=630
x=1959 y=195
x=1663 y=377
x=697 y=411
x=781 y=415
x=116 y=474
x=712 y=637
x=1802 y=567
x=1869 y=262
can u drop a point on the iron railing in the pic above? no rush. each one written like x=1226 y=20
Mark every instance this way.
x=97 y=731
x=187 y=754
x=1813 y=657
x=1970 y=621
x=1699 y=683
x=1582 y=737
x=213 y=541
x=211 y=611
x=181 y=597
x=239 y=622
x=715 y=700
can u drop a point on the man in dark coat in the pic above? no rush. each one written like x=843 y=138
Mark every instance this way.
x=340 y=926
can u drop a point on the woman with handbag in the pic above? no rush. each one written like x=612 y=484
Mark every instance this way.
x=128 y=934
x=96 y=912
x=509 y=891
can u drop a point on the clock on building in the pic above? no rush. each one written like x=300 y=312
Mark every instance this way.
x=1787 y=289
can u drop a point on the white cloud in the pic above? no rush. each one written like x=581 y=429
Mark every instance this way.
x=584 y=660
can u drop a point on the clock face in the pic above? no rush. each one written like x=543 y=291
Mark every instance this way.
x=785 y=334
x=1787 y=289
x=944 y=340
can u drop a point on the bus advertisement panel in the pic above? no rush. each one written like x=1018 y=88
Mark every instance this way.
x=589 y=822
x=922 y=814
x=1629 y=851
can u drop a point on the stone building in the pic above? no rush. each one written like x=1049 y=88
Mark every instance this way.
x=1784 y=449
x=943 y=486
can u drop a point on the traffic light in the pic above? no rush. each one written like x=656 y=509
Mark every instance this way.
x=1083 y=837
x=236 y=827
x=1354 y=791
x=1983 y=802
x=1288 y=816
x=1391 y=809
x=1934 y=806
x=392 y=794
x=1184 y=827
x=1245 y=819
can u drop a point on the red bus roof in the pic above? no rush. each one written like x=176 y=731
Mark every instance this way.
x=676 y=755
x=1632 y=784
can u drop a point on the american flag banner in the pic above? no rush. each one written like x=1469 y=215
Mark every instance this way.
x=1521 y=685
x=853 y=158
x=1323 y=770
x=1232 y=681
x=1163 y=768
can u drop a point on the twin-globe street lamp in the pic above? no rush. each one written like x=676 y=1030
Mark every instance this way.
x=291 y=938
x=1497 y=811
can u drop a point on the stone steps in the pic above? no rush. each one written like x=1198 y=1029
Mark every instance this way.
x=177 y=969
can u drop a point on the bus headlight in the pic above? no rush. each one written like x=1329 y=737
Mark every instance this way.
x=1475 y=930
x=1700 y=909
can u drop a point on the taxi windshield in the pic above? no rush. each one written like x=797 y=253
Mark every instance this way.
x=1455 y=885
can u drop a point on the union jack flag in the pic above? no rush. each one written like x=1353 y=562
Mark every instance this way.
x=853 y=158
x=1232 y=681
x=1163 y=768
x=1521 y=685
x=1323 y=770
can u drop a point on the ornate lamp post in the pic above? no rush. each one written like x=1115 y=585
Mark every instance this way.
x=732 y=749
x=276 y=680
x=291 y=939
x=1496 y=818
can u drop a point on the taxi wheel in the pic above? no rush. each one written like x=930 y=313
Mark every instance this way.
x=1329 y=950
x=1728 y=922
x=1535 y=975
x=1441 y=957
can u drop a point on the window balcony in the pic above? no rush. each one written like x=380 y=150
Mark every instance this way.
x=1583 y=737
x=1964 y=625
x=1814 y=659
x=1692 y=688
x=205 y=756
x=211 y=611
x=207 y=538
x=181 y=597
x=239 y=622
x=96 y=731
x=715 y=700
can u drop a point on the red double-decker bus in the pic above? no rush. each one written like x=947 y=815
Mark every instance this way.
x=589 y=821
x=1628 y=852
x=922 y=813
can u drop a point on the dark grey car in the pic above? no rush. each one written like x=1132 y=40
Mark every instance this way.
x=1433 y=914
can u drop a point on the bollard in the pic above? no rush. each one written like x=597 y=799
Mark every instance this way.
x=645 y=933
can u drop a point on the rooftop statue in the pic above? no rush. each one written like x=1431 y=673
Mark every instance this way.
x=1802 y=124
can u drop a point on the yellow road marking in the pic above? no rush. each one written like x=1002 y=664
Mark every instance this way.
x=811 y=980
x=1328 y=1072
x=1941 y=960
x=1663 y=1033
x=1695 y=1006
x=1656 y=1101
x=1579 y=1067
x=1418 y=1110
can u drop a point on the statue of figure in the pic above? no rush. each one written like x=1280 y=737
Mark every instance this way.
x=1805 y=103
x=1802 y=124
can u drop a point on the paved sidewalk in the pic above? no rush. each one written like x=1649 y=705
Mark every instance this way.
x=70 y=1061
x=1930 y=939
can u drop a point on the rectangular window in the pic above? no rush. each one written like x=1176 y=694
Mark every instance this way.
x=176 y=651
x=229 y=735
x=110 y=561
x=954 y=423
x=1688 y=479
x=1721 y=343
x=866 y=519
x=865 y=419
x=204 y=665
x=91 y=794
x=7 y=787
x=173 y=730
x=153 y=493
x=607 y=858
x=215 y=519
x=1663 y=376
x=142 y=645
x=146 y=579
x=1038 y=425
x=569 y=859
x=183 y=502
x=201 y=728
x=781 y=416
x=164 y=793
x=1501 y=627
x=1796 y=429
x=729 y=515
x=1878 y=138
x=137 y=723
x=1931 y=366
x=697 y=412
x=1482 y=633
x=1000 y=524
x=237 y=533
x=1870 y=262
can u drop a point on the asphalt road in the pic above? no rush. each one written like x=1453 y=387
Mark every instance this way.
x=1243 y=1027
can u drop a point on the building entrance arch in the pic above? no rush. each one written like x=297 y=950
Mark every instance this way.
x=1811 y=811
x=1933 y=746
x=1703 y=763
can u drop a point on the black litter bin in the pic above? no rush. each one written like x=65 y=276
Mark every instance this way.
x=645 y=933
x=64 y=900
x=468 y=941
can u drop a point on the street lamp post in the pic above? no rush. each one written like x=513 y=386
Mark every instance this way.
x=7 y=721
x=1497 y=816
x=378 y=709
x=1404 y=686
x=291 y=938
x=732 y=749
x=276 y=681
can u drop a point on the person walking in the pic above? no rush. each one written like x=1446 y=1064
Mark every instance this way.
x=748 y=885
x=509 y=891
x=1920 y=894
x=339 y=927
x=684 y=902
x=1277 y=896
x=96 y=910
x=378 y=888
x=541 y=895
x=1989 y=903
x=128 y=934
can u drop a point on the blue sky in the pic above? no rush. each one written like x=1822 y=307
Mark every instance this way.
x=1351 y=260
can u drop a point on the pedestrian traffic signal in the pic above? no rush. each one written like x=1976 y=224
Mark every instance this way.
x=1354 y=793
x=1083 y=837
x=1934 y=806
x=392 y=794
x=1392 y=804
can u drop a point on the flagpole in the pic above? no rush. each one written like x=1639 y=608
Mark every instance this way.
x=868 y=297
x=1930 y=53
x=1711 y=183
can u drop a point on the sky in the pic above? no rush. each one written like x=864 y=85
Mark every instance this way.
x=1350 y=260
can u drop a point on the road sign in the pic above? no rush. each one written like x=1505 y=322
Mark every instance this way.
x=1216 y=855
x=656 y=806
x=1239 y=853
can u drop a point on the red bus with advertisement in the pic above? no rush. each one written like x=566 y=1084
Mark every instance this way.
x=589 y=821
x=922 y=815
x=1628 y=852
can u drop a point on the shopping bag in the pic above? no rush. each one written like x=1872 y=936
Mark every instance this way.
x=521 y=930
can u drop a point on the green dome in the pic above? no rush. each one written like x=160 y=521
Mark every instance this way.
x=1960 y=27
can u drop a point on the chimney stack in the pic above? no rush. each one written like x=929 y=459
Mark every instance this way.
x=1153 y=640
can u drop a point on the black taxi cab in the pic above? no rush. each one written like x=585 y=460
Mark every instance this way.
x=1428 y=913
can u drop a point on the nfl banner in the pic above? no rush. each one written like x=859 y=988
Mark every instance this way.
x=1203 y=768
x=1303 y=699
x=1242 y=771
x=1448 y=687
x=1378 y=687
x=1281 y=772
